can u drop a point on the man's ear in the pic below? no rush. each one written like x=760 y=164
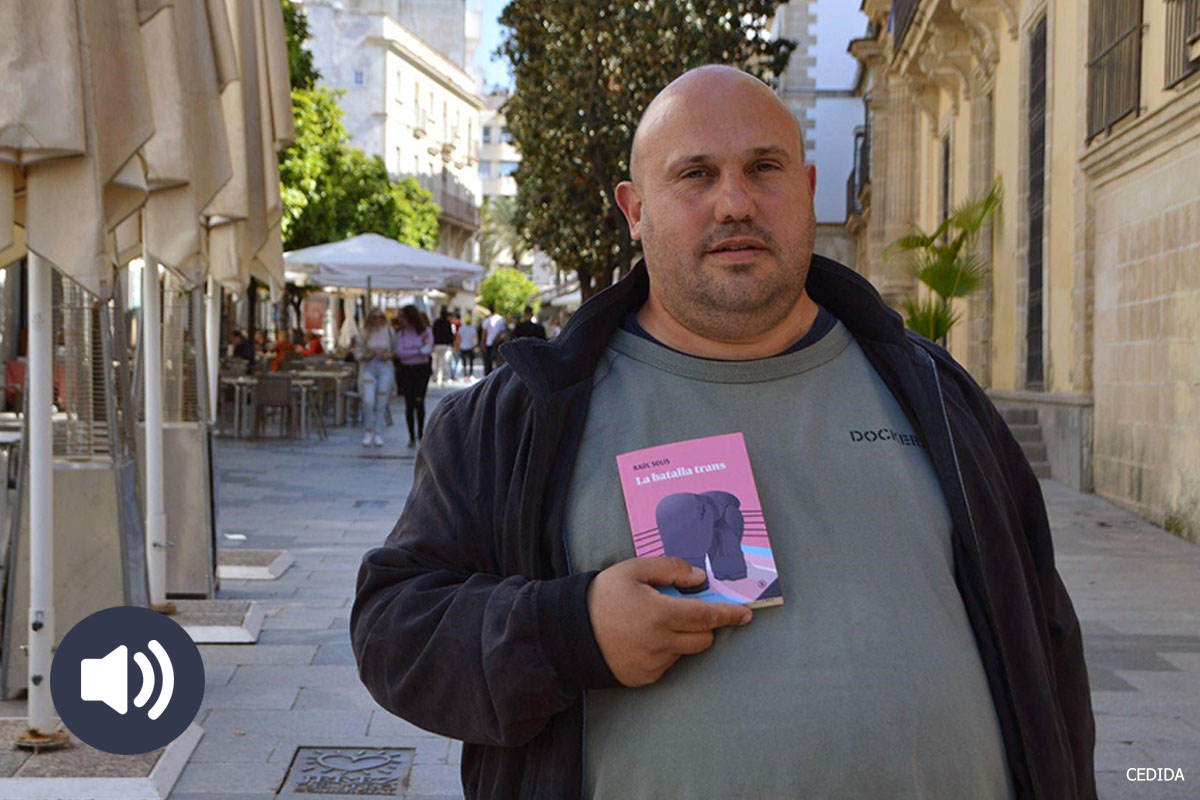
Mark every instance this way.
x=630 y=200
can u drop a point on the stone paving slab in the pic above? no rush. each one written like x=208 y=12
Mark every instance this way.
x=258 y=653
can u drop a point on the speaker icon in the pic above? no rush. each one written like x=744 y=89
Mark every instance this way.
x=106 y=679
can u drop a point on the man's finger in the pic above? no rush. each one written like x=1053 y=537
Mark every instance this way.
x=667 y=571
x=694 y=616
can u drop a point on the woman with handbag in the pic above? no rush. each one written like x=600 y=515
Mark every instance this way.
x=414 y=348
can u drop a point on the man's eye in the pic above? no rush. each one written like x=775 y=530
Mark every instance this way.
x=694 y=173
x=766 y=165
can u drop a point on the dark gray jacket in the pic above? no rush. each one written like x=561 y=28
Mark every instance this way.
x=468 y=621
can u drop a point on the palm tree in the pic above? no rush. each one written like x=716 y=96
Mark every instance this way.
x=499 y=232
x=944 y=262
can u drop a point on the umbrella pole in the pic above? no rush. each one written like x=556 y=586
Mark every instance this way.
x=41 y=497
x=151 y=343
x=368 y=309
x=212 y=332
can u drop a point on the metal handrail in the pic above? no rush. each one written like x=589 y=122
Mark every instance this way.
x=1114 y=65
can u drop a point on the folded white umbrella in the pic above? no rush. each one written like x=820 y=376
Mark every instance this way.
x=243 y=218
x=386 y=263
x=187 y=160
x=74 y=111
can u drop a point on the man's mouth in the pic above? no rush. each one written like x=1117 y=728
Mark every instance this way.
x=738 y=246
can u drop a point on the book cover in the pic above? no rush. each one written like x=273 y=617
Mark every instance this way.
x=697 y=500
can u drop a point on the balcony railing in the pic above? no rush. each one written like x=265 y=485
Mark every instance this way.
x=421 y=125
x=458 y=208
x=1183 y=34
x=860 y=175
x=902 y=16
x=1115 y=62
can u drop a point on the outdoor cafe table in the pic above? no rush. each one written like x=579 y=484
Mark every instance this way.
x=337 y=376
x=243 y=385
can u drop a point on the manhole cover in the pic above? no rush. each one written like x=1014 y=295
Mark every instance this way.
x=370 y=503
x=356 y=771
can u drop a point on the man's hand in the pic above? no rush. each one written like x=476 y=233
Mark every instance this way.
x=642 y=632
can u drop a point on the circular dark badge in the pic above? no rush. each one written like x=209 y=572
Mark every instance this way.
x=127 y=680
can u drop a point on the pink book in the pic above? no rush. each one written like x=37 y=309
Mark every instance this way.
x=696 y=500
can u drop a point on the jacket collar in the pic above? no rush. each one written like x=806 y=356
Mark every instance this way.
x=572 y=356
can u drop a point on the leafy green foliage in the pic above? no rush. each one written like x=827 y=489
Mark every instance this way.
x=508 y=291
x=943 y=262
x=300 y=61
x=499 y=232
x=584 y=73
x=332 y=191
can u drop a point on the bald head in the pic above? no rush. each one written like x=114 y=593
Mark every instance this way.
x=690 y=96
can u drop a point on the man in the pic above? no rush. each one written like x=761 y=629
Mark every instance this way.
x=527 y=327
x=494 y=330
x=443 y=347
x=242 y=347
x=925 y=646
x=465 y=339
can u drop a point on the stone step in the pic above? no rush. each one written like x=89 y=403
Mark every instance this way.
x=1035 y=452
x=1026 y=433
x=1041 y=469
x=1019 y=415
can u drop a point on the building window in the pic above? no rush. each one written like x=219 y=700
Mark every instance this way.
x=508 y=168
x=505 y=136
x=1114 y=62
x=1183 y=35
x=487 y=134
x=1035 y=206
x=485 y=170
x=945 y=198
x=359 y=78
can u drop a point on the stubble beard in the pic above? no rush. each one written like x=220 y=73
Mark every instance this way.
x=727 y=302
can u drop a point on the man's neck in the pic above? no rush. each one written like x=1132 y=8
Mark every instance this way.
x=659 y=323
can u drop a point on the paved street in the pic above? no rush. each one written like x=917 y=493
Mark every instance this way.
x=1136 y=589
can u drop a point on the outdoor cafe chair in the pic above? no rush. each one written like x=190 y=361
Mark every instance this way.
x=274 y=392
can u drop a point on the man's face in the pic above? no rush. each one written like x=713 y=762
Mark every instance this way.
x=723 y=206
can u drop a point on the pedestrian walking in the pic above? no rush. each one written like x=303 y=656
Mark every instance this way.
x=414 y=350
x=467 y=339
x=925 y=645
x=443 y=347
x=375 y=347
x=529 y=327
x=494 y=328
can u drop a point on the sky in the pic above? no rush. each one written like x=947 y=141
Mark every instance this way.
x=494 y=71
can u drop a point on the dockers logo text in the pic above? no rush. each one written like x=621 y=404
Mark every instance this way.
x=887 y=435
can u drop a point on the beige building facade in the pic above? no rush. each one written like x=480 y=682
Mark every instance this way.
x=1088 y=111
x=407 y=101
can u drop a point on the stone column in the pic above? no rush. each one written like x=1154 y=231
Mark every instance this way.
x=979 y=305
x=894 y=192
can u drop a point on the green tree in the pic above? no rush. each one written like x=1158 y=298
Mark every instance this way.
x=499 y=232
x=584 y=73
x=331 y=190
x=300 y=61
x=508 y=291
x=943 y=261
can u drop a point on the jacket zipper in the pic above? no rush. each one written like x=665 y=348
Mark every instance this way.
x=962 y=487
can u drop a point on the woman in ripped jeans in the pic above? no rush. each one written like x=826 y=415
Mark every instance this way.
x=374 y=353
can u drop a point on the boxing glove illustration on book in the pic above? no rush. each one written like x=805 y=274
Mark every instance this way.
x=695 y=525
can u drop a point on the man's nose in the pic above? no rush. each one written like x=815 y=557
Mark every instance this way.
x=734 y=200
